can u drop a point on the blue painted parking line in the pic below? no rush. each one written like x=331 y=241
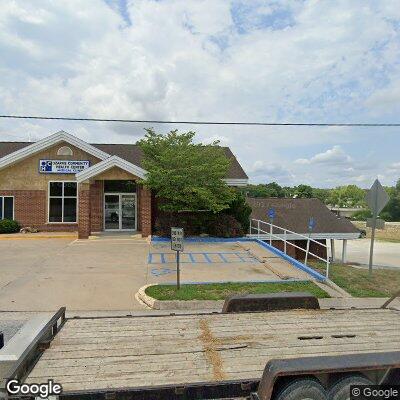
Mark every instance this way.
x=202 y=258
x=207 y=258
x=223 y=257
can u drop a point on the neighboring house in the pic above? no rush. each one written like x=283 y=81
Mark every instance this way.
x=294 y=215
x=62 y=183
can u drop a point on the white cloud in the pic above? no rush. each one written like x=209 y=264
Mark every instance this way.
x=205 y=60
x=334 y=156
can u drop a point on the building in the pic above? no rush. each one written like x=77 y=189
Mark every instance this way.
x=62 y=183
x=294 y=215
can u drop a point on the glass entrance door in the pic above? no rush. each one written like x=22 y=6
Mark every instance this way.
x=119 y=211
x=128 y=211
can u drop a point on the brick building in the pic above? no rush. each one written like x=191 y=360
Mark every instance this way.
x=62 y=183
x=294 y=215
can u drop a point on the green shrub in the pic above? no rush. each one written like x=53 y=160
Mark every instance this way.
x=197 y=223
x=9 y=226
x=226 y=226
x=240 y=210
x=361 y=215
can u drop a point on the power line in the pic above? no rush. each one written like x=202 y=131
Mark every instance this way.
x=138 y=121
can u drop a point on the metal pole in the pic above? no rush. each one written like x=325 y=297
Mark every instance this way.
x=344 y=251
x=333 y=250
x=178 y=272
x=327 y=268
x=371 y=249
x=284 y=242
x=308 y=248
x=250 y=227
x=258 y=229
x=270 y=234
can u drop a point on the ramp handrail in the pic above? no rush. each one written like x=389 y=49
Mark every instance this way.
x=298 y=236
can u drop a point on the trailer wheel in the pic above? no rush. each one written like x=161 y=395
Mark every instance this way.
x=302 y=389
x=341 y=389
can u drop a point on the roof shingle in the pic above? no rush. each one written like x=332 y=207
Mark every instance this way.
x=129 y=152
x=294 y=215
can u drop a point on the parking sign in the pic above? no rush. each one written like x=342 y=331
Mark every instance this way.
x=177 y=239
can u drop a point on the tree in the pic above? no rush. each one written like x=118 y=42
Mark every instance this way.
x=347 y=196
x=274 y=190
x=304 y=191
x=185 y=176
x=322 y=194
x=240 y=210
x=392 y=210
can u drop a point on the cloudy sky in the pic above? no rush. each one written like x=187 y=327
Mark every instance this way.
x=248 y=60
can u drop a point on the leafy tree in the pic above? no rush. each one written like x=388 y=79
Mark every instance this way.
x=185 y=175
x=392 y=210
x=322 y=194
x=239 y=209
x=304 y=191
x=255 y=191
x=347 y=196
x=274 y=190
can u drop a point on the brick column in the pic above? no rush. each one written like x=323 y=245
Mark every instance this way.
x=84 y=210
x=145 y=211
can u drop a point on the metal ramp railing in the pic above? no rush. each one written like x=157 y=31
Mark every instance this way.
x=267 y=231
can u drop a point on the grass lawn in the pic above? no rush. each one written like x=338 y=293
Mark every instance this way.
x=219 y=291
x=357 y=282
x=391 y=233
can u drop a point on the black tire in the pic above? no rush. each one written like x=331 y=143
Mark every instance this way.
x=341 y=389
x=302 y=389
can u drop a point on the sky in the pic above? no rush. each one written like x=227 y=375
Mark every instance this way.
x=222 y=60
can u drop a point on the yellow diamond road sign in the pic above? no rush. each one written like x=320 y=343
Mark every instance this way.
x=376 y=198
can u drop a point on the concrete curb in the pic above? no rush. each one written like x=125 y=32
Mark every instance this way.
x=36 y=237
x=155 y=304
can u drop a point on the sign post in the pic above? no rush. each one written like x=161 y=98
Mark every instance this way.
x=271 y=215
x=376 y=198
x=311 y=226
x=177 y=245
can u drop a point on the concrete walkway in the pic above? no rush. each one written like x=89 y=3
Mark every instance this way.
x=43 y=275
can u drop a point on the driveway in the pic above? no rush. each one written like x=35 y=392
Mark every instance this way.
x=386 y=254
x=44 y=274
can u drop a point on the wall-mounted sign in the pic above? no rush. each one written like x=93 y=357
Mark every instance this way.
x=62 y=166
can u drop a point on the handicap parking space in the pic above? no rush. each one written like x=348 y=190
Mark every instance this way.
x=206 y=262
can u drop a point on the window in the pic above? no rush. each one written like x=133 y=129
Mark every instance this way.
x=65 y=151
x=6 y=207
x=62 y=201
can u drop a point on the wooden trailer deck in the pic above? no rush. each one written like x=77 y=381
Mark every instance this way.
x=90 y=354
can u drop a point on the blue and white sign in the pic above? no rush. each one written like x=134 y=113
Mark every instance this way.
x=62 y=166
x=311 y=224
x=271 y=213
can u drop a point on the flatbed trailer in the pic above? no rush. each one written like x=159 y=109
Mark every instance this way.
x=212 y=355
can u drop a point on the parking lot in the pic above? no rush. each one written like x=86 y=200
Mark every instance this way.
x=44 y=274
x=106 y=273
x=218 y=262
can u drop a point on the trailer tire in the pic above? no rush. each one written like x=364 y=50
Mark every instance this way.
x=302 y=389
x=341 y=389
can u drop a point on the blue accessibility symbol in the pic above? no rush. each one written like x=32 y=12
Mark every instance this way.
x=271 y=213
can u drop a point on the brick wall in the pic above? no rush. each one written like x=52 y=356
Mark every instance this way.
x=96 y=206
x=30 y=209
x=84 y=228
x=300 y=254
x=145 y=211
